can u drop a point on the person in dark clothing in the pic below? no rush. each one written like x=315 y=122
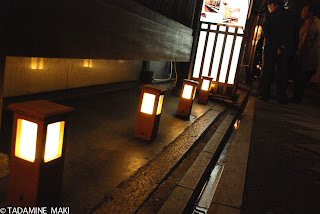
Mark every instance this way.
x=278 y=30
x=308 y=53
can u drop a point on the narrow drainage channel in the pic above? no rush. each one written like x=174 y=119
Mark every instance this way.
x=206 y=195
x=160 y=194
x=209 y=188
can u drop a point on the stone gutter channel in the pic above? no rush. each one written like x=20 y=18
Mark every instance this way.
x=235 y=150
x=173 y=180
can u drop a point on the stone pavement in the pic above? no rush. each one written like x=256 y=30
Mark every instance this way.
x=283 y=173
x=101 y=152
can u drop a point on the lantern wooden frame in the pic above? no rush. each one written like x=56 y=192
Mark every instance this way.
x=147 y=124
x=204 y=94
x=38 y=182
x=185 y=105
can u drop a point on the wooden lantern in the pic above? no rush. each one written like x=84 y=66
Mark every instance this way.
x=149 y=113
x=37 y=154
x=187 y=95
x=204 y=90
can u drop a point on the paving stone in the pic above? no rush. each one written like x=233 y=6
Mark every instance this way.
x=239 y=151
x=214 y=142
x=224 y=126
x=231 y=185
x=219 y=107
x=193 y=175
x=177 y=201
x=230 y=116
x=250 y=106
x=222 y=209
x=240 y=148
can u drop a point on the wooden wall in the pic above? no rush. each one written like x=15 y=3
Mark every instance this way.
x=181 y=11
x=97 y=29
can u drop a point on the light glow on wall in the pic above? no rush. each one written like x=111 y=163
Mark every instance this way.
x=148 y=103
x=226 y=57
x=207 y=59
x=87 y=63
x=205 y=85
x=36 y=63
x=187 y=91
x=197 y=64
x=54 y=141
x=26 y=140
x=235 y=57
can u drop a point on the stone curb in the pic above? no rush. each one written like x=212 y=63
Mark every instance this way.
x=181 y=200
x=228 y=196
x=133 y=192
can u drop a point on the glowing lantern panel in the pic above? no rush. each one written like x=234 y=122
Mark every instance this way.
x=54 y=141
x=205 y=85
x=160 y=104
x=148 y=103
x=26 y=140
x=187 y=91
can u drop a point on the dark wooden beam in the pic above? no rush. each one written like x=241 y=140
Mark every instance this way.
x=95 y=29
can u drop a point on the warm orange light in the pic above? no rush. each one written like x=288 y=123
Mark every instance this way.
x=54 y=141
x=87 y=63
x=205 y=85
x=194 y=93
x=40 y=63
x=148 y=103
x=236 y=125
x=160 y=102
x=187 y=91
x=26 y=139
x=36 y=63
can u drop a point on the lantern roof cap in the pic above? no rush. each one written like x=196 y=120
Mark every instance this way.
x=155 y=88
x=39 y=109
x=191 y=81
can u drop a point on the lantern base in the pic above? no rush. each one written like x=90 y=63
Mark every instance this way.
x=185 y=118
x=146 y=126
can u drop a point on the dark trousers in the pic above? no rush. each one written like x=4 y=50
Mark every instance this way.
x=301 y=80
x=275 y=67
